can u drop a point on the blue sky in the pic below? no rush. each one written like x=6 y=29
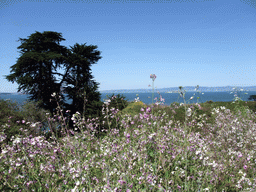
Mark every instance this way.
x=184 y=43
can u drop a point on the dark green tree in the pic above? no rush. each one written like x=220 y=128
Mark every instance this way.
x=34 y=68
x=80 y=59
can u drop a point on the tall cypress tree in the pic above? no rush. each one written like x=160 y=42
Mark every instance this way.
x=35 y=70
x=80 y=77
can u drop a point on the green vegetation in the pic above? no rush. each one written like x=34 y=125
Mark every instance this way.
x=133 y=108
x=36 y=69
x=182 y=147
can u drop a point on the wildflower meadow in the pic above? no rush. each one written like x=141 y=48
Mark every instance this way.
x=182 y=147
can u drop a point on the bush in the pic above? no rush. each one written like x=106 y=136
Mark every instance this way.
x=133 y=108
x=33 y=113
x=117 y=102
x=9 y=116
x=174 y=104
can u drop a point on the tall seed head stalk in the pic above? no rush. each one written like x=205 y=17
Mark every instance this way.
x=153 y=77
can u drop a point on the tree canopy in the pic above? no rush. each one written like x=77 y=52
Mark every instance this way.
x=41 y=55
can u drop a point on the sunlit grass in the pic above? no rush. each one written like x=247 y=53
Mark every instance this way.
x=181 y=147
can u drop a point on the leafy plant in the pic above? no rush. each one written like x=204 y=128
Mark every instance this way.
x=94 y=110
x=9 y=116
x=118 y=102
x=33 y=113
x=133 y=108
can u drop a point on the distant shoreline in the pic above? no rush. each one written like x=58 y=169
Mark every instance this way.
x=6 y=93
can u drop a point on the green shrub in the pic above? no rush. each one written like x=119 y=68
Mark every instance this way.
x=133 y=108
x=9 y=115
x=118 y=102
x=174 y=104
x=33 y=113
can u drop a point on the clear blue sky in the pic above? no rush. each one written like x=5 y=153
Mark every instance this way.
x=184 y=43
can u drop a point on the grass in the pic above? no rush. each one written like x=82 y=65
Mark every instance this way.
x=189 y=147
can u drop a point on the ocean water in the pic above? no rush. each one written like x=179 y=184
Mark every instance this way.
x=147 y=97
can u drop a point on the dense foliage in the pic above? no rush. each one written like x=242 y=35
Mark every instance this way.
x=34 y=71
x=133 y=108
